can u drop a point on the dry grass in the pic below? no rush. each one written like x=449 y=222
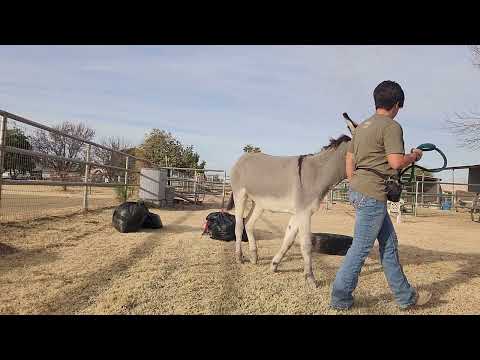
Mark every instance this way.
x=27 y=202
x=81 y=265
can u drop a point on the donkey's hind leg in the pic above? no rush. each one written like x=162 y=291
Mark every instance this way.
x=254 y=215
x=306 y=246
x=240 y=200
x=288 y=240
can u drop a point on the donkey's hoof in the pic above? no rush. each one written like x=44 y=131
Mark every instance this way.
x=310 y=282
x=274 y=267
x=254 y=257
x=239 y=258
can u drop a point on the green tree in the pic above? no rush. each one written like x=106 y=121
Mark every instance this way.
x=15 y=163
x=251 y=149
x=163 y=149
x=190 y=157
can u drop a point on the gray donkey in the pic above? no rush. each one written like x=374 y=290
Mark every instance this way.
x=289 y=184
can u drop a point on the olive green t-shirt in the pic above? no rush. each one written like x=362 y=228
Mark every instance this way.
x=373 y=140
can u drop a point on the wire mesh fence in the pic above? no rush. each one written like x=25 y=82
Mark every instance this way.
x=425 y=198
x=60 y=171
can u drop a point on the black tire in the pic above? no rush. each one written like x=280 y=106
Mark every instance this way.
x=331 y=244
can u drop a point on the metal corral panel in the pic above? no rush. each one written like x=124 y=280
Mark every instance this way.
x=474 y=178
x=152 y=184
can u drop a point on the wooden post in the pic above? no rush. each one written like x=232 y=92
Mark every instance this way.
x=126 y=178
x=85 y=179
x=3 y=138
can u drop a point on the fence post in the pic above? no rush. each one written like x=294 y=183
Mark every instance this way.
x=85 y=179
x=195 y=186
x=453 y=190
x=3 y=138
x=439 y=195
x=223 y=188
x=423 y=179
x=126 y=178
x=416 y=197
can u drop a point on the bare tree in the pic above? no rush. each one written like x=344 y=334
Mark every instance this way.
x=466 y=126
x=62 y=146
x=110 y=158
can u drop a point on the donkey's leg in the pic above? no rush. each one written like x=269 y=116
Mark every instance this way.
x=240 y=200
x=306 y=246
x=288 y=240
x=249 y=226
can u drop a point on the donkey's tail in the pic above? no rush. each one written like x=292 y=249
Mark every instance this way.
x=231 y=203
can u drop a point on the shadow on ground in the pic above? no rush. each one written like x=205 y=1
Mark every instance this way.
x=12 y=257
x=468 y=269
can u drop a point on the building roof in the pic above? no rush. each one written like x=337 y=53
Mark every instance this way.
x=462 y=167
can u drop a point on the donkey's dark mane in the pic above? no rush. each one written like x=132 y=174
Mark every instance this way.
x=334 y=143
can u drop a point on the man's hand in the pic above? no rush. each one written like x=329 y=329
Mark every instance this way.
x=418 y=153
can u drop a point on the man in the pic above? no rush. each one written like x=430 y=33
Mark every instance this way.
x=377 y=143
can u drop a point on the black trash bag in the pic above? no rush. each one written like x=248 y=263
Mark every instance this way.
x=221 y=226
x=152 y=221
x=129 y=216
x=331 y=244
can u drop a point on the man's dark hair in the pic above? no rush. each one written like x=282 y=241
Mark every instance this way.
x=387 y=94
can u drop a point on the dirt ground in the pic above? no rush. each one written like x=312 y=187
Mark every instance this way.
x=82 y=265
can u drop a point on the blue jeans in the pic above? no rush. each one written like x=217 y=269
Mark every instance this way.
x=371 y=222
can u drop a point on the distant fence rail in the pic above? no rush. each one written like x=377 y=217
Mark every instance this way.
x=416 y=196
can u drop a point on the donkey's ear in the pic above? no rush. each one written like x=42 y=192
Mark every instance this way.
x=350 y=123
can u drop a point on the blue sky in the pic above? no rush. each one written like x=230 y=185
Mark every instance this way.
x=286 y=99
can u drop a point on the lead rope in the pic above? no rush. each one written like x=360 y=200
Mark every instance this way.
x=425 y=147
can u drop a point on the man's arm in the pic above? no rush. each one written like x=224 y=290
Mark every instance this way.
x=400 y=161
x=394 y=149
x=350 y=166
